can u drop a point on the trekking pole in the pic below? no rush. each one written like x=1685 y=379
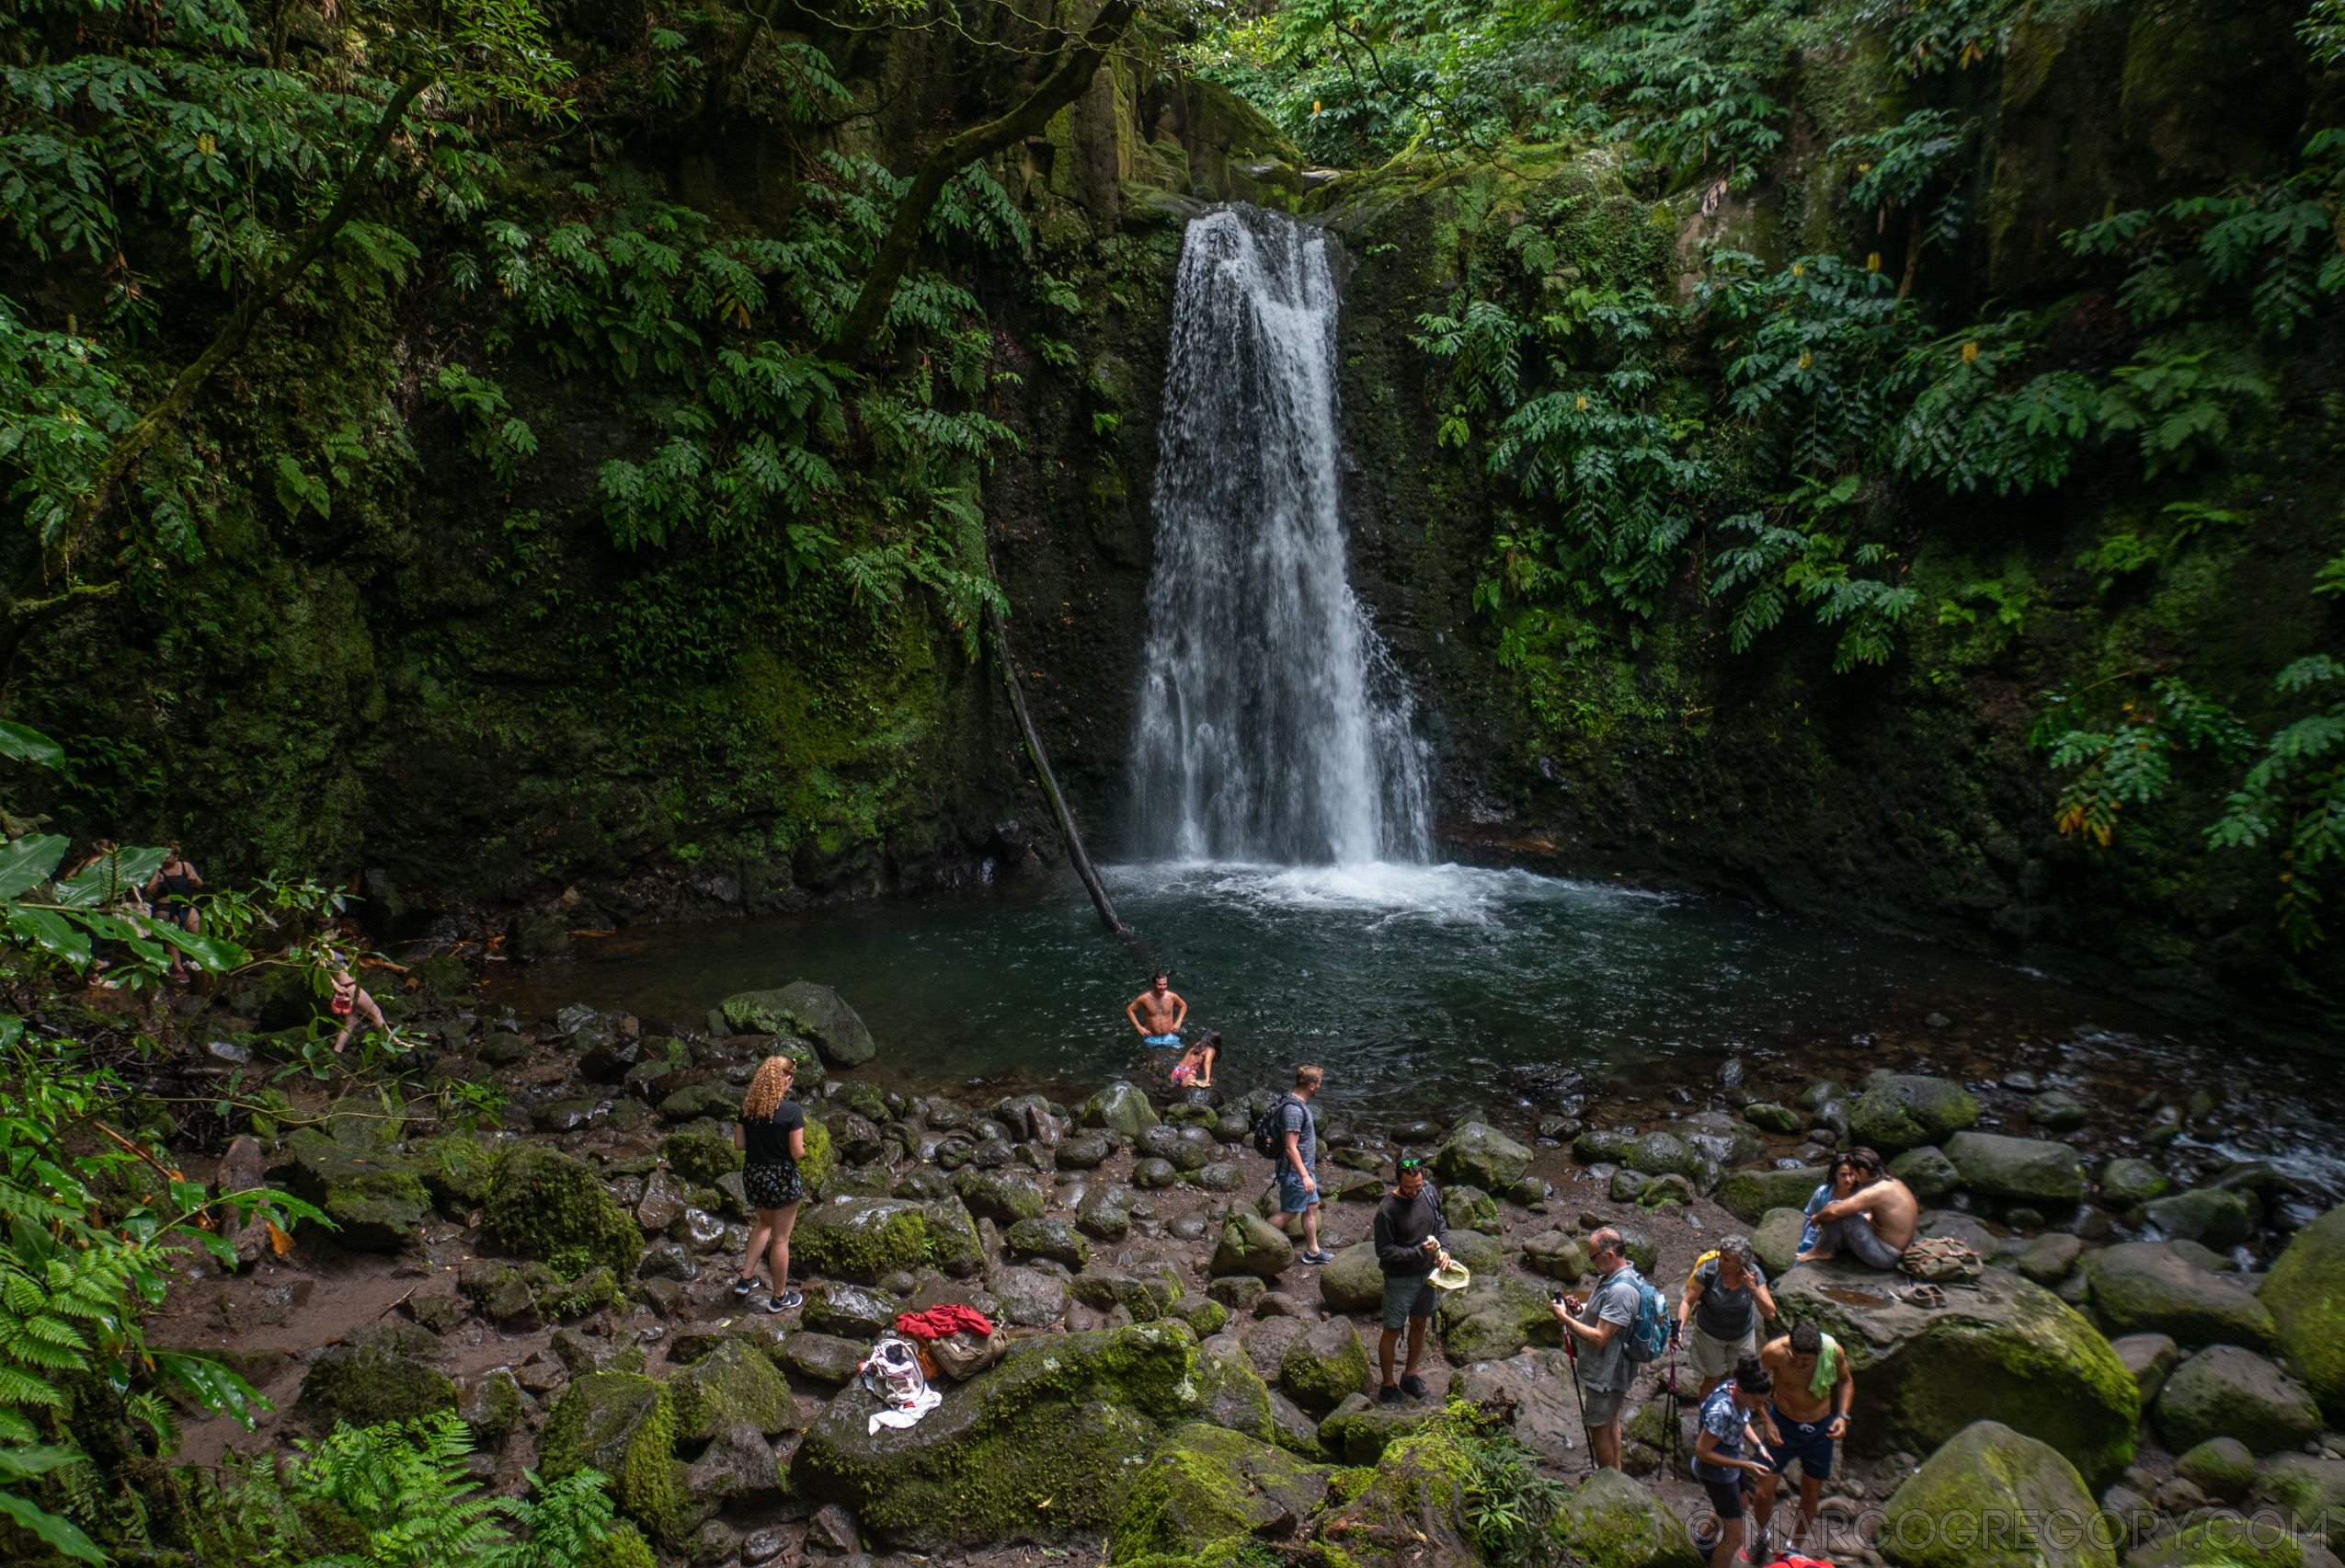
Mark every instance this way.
x=1572 y=1352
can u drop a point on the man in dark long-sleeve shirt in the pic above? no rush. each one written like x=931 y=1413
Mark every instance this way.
x=1408 y=1233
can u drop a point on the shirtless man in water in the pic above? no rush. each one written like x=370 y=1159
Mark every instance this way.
x=1814 y=1388
x=1158 y=1013
x=1875 y=1222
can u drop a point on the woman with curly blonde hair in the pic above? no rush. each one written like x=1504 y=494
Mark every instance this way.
x=772 y=1134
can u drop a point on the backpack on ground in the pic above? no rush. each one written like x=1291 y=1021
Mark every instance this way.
x=1270 y=1129
x=1649 y=1336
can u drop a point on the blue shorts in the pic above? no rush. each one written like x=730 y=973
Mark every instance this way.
x=1159 y=1039
x=1293 y=1198
x=1810 y=1442
x=1407 y=1295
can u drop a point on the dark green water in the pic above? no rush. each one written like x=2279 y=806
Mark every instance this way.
x=1416 y=987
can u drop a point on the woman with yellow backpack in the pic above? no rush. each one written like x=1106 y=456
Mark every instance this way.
x=1726 y=1301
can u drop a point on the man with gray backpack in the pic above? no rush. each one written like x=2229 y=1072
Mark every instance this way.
x=1627 y=1326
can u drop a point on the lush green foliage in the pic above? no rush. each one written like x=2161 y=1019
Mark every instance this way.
x=395 y=1497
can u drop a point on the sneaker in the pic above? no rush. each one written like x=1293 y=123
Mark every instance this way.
x=1317 y=1257
x=1388 y=1395
x=1414 y=1387
x=744 y=1287
x=788 y=1302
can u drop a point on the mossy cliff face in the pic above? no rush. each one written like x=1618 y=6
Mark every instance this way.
x=1904 y=795
x=460 y=690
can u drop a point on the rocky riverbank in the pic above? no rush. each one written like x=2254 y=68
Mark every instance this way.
x=2150 y=1340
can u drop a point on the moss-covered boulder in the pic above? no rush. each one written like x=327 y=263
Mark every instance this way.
x=1414 y=1511
x=734 y=1384
x=1927 y=1171
x=1121 y=1108
x=2127 y=1183
x=369 y=1384
x=543 y=1202
x=2031 y=1169
x=2222 y=1468
x=1145 y=1297
x=1613 y=1522
x=1480 y=1155
x=1991 y=1497
x=2213 y=1217
x=1494 y=1318
x=377 y=1201
x=701 y=1158
x=2308 y=1492
x=454 y=1170
x=1324 y=1365
x=1661 y=1154
x=2225 y=1392
x=1049 y=1439
x=808 y=1011
x=861 y=1239
x=2001 y=1350
x=1231 y=1393
x=1205 y=1484
x=1360 y=1430
x=1907 y=1110
x=1749 y=1194
x=1004 y=1196
x=2148 y=1287
x=2229 y=1542
x=623 y=1425
x=2305 y=1293
x=1251 y=1244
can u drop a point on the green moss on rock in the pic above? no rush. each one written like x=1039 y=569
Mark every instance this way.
x=702 y=1159
x=1049 y=1440
x=1613 y=1522
x=1205 y=1484
x=367 y=1385
x=861 y=1239
x=547 y=1203
x=1991 y=1497
x=732 y=1385
x=2305 y=1295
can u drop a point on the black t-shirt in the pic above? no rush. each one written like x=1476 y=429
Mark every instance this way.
x=769 y=1141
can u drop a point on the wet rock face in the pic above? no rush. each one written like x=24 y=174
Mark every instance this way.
x=1984 y=1467
x=813 y=1012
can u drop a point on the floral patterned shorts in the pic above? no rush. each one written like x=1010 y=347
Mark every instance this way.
x=772 y=1187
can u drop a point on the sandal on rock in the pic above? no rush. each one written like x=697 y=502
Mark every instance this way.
x=1926 y=1296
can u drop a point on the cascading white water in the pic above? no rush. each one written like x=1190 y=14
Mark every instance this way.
x=1274 y=723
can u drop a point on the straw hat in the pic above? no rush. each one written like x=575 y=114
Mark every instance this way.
x=1453 y=1277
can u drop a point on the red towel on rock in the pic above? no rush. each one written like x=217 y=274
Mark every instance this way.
x=938 y=1322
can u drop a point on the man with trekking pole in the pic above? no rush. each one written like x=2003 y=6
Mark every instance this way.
x=1605 y=1371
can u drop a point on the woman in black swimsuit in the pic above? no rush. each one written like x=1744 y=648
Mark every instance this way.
x=172 y=891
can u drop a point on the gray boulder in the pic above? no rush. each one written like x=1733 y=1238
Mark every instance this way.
x=1004 y=1196
x=2033 y=1169
x=1030 y=1297
x=1556 y=1256
x=1052 y=1239
x=1082 y=1151
x=1927 y=1171
x=822 y=1357
x=1324 y=1365
x=1208 y=1487
x=2225 y=1392
x=2128 y=1183
x=1480 y=1154
x=2213 y=1217
x=2148 y=1287
x=812 y=1013
x=1251 y=1244
x=1105 y=1212
x=2149 y=1356
x=1748 y=1195
x=1904 y=1111
x=1354 y=1282
x=1661 y=1154
x=1776 y=1240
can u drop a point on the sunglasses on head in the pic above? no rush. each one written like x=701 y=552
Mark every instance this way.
x=1408 y=1165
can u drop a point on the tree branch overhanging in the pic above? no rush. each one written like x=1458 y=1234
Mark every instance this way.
x=1066 y=83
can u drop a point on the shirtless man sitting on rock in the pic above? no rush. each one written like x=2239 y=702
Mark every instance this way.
x=1875 y=1222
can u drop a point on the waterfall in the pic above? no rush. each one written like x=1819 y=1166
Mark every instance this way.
x=1273 y=724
